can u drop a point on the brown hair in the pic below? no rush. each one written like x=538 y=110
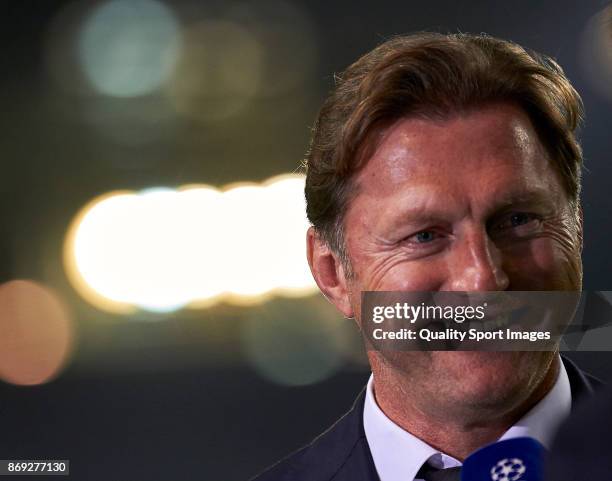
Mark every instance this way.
x=431 y=75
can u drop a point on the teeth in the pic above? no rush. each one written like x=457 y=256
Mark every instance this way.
x=494 y=324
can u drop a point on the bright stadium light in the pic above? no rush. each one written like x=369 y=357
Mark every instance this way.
x=164 y=249
x=200 y=212
x=292 y=278
x=248 y=250
x=92 y=258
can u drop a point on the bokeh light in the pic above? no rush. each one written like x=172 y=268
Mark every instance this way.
x=199 y=209
x=294 y=347
x=288 y=40
x=292 y=231
x=36 y=333
x=93 y=254
x=597 y=52
x=164 y=249
x=204 y=63
x=248 y=213
x=219 y=70
x=129 y=47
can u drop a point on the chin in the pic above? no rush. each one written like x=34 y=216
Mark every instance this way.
x=495 y=380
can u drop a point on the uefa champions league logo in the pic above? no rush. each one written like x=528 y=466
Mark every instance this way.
x=508 y=469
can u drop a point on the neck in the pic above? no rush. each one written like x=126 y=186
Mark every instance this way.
x=456 y=432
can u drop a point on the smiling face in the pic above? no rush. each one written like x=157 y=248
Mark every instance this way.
x=468 y=203
x=471 y=203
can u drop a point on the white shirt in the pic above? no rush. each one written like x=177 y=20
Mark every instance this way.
x=398 y=455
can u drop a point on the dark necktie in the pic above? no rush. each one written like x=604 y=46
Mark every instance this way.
x=429 y=473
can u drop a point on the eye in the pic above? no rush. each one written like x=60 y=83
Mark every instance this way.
x=520 y=222
x=520 y=218
x=423 y=237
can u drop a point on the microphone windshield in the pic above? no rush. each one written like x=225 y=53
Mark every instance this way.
x=516 y=459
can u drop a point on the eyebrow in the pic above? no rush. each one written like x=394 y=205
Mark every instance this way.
x=535 y=196
x=420 y=213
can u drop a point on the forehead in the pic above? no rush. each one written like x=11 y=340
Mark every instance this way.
x=493 y=143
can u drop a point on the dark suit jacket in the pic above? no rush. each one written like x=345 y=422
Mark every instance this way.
x=582 y=450
x=342 y=453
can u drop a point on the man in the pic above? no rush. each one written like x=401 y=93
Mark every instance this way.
x=443 y=163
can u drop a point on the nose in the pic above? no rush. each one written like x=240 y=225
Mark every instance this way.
x=475 y=264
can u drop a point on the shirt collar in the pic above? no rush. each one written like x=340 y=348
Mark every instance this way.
x=542 y=421
x=398 y=455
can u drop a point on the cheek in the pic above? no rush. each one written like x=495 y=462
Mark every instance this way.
x=543 y=256
x=544 y=264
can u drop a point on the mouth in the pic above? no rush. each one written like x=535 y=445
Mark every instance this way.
x=501 y=319
x=494 y=324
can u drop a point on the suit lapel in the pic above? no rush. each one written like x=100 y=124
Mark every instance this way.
x=582 y=385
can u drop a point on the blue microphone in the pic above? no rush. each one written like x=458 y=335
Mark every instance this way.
x=517 y=459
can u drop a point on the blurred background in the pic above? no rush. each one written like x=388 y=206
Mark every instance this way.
x=157 y=316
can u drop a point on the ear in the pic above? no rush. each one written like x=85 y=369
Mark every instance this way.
x=328 y=273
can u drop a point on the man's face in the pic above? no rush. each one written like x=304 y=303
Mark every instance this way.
x=470 y=203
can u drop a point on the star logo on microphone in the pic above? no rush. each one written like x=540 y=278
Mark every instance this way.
x=508 y=469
